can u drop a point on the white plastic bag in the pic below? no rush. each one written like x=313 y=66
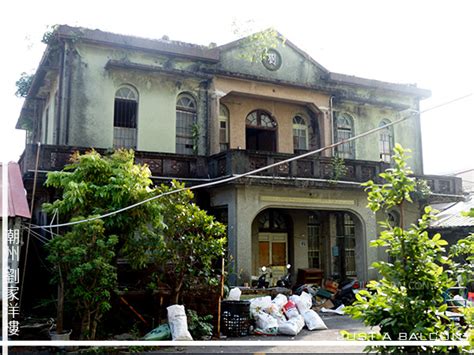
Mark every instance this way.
x=266 y=322
x=259 y=303
x=234 y=294
x=303 y=302
x=280 y=300
x=313 y=320
x=306 y=302
x=290 y=310
x=292 y=326
x=339 y=310
x=178 y=323
x=276 y=312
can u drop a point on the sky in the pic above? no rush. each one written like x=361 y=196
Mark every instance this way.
x=429 y=43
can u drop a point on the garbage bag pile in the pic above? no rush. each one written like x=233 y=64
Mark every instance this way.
x=289 y=315
x=284 y=315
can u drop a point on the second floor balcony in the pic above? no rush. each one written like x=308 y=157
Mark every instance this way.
x=194 y=169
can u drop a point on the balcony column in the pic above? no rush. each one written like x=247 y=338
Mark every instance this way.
x=213 y=122
x=326 y=129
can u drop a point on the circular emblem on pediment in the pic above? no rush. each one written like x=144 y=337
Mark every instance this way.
x=271 y=59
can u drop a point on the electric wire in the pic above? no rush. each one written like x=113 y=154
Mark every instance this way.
x=38 y=236
x=411 y=114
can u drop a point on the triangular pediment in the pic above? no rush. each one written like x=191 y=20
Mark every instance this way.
x=275 y=59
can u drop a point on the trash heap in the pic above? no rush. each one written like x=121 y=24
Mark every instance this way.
x=288 y=315
x=284 y=315
x=267 y=315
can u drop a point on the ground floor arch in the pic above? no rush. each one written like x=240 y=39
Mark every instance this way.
x=330 y=240
x=328 y=228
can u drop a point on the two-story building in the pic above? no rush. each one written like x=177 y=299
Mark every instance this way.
x=199 y=114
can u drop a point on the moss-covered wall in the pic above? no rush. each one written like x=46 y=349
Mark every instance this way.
x=93 y=92
x=294 y=66
x=367 y=117
x=93 y=89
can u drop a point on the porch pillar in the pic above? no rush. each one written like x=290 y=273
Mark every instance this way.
x=372 y=253
x=213 y=122
x=240 y=217
x=326 y=132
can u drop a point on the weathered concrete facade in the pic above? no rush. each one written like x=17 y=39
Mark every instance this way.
x=85 y=76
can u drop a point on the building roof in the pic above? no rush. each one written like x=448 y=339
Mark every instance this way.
x=207 y=54
x=450 y=215
x=355 y=80
x=17 y=203
x=164 y=46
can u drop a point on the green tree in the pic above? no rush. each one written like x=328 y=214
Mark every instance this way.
x=94 y=185
x=255 y=45
x=82 y=260
x=408 y=299
x=463 y=255
x=23 y=84
x=188 y=245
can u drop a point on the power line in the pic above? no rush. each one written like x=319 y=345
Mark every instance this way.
x=239 y=176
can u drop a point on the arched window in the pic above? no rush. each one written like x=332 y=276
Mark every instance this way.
x=344 y=130
x=185 y=121
x=300 y=133
x=223 y=128
x=125 y=117
x=272 y=220
x=260 y=131
x=385 y=142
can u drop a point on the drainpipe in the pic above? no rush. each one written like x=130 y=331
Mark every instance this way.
x=60 y=96
x=208 y=118
x=331 y=117
x=68 y=70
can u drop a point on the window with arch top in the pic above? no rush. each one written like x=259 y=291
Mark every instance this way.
x=185 y=121
x=260 y=119
x=385 y=141
x=300 y=133
x=344 y=130
x=260 y=132
x=125 y=117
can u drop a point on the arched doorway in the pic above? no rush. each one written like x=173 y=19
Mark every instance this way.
x=273 y=240
x=260 y=131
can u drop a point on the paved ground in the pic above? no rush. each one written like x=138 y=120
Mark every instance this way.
x=335 y=323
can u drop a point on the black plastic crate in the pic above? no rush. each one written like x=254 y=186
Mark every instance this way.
x=235 y=318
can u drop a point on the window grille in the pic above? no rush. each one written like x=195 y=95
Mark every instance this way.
x=300 y=133
x=344 y=131
x=314 y=241
x=223 y=128
x=349 y=245
x=260 y=119
x=385 y=142
x=46 y=126
x=125 y=118
x=185 y=120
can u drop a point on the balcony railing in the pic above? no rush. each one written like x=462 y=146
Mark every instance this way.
x=241 y=161
x=54 y=157
x=232 y=162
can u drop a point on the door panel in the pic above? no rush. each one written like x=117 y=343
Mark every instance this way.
x=278 y=254
x=264 y=253
x=273 y=253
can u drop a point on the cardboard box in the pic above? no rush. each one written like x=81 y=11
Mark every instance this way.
x=326 y=304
